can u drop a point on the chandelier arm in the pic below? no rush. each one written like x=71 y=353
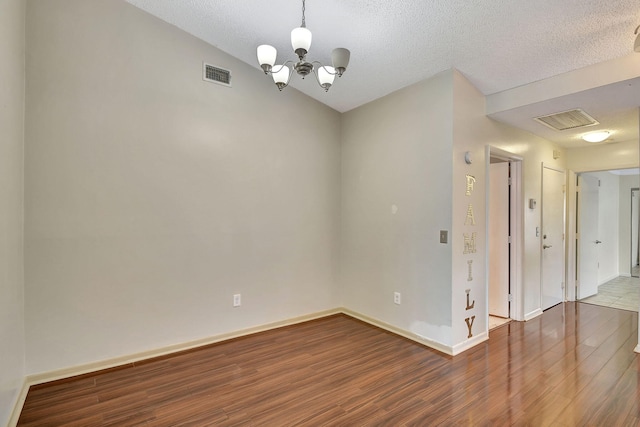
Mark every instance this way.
x=271 y=71
x=325 y=68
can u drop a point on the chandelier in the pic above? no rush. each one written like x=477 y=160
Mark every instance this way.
x=301 y=42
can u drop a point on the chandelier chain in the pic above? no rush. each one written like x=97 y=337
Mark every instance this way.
x=304 y=24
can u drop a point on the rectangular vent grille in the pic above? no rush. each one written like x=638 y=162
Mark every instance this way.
x=215 y=74
x=571 y=119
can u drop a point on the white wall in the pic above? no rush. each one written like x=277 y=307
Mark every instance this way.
x=621 y=155
x=407 y=150
x=608 y=225
x=396 y=196
x=473 y=132
x=12 y=346
x=153 y=196
x=627 y=182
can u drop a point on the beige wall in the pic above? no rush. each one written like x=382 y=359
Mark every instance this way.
x=475 y=131
x=620 y=155
x=396 y=196
x=153 y=196
x=407 y=151
x=12 y=41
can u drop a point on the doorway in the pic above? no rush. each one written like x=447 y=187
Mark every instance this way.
x=607 y=244
x=505 y=250
x=499 y=246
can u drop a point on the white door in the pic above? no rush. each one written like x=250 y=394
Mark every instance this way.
x=499 y=239
x=552 y=246
x=587 y=236
x=634 y=229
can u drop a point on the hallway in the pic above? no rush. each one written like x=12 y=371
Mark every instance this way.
x=622 y=293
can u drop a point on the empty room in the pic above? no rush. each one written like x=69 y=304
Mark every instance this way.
x=311 y=212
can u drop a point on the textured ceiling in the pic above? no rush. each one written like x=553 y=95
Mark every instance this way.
x=496 y=44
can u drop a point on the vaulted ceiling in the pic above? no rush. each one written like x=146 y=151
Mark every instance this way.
x=498 y=45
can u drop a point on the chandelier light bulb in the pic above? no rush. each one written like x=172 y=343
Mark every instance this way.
x=326 y=75
x=281 y=76
x=301 y=41
x=266 y=56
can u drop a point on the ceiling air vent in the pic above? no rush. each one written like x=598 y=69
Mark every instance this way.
x=571 y=119
x=214 y=74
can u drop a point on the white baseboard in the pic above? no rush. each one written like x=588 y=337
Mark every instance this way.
x=471 y=342
x=17 y=408
x=532 y=315
x=73 y=371
x=625 y=275
x=608 y=279
x=637 y=349
x=58 y=374
x=443 y=348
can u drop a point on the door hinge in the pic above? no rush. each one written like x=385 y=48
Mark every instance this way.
x=510 y=297
x=509 y=181
x=509 y=239
x=599 y=183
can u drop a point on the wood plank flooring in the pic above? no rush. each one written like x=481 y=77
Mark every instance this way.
x=572 y=366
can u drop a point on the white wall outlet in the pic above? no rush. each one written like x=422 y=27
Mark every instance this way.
x=397 y=298
x=237 y=300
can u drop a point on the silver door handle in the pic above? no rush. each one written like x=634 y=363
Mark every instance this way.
x=598 y=242
x=546 y=246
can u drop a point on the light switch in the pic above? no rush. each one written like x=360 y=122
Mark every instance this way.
x=444 y=236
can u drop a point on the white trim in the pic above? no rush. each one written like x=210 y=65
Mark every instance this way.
x=625 y=274
x=608 y=279
x=17 y=408
x=532 y=315
x=443 y=348
x=163 y=351
x=471 y=342
x=571 y=253
x=637 y=349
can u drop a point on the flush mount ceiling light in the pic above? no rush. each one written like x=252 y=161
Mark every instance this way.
x=636 y=46
x=301 y=42
x=596 y=136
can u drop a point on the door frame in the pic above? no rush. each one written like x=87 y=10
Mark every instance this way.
x=637 y=226
x=572 y=253
x=516 y=208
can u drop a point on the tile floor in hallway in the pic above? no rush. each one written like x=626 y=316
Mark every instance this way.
x=621 y=292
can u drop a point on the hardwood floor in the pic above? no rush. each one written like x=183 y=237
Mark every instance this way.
x=574 y=365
